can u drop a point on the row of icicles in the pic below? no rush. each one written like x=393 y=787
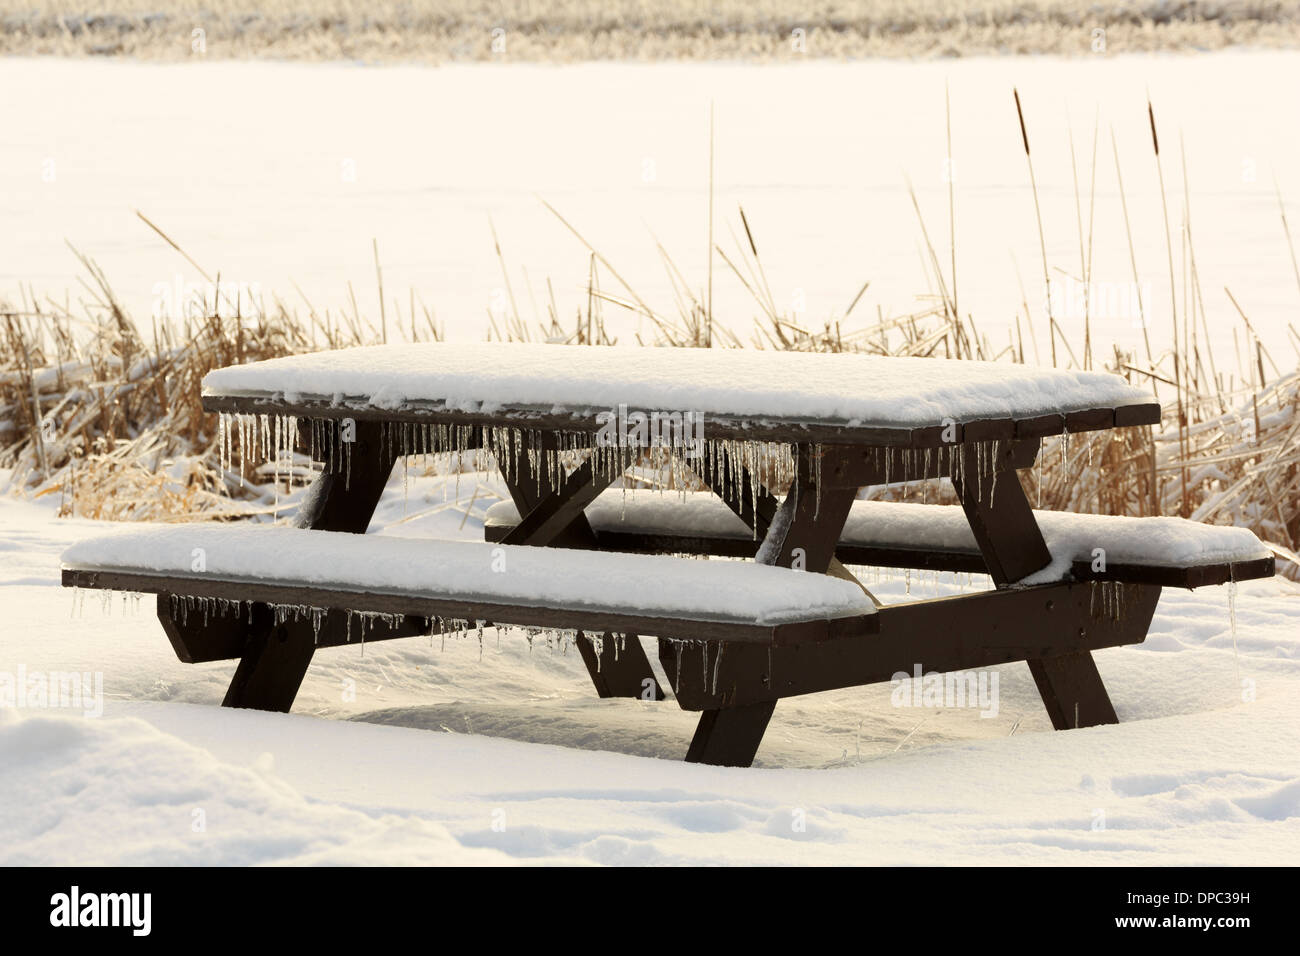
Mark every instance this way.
x=744 y=469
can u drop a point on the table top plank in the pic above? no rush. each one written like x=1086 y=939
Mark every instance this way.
x=737 y=393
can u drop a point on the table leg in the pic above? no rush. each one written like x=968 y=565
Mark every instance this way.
x=801 y=533
x=756 y=510
x=1012 y=544
x=730 y=737
x=276 y=657
x=1000 y=517
x=553 y=516
x=1072 y=690
x=273 y=664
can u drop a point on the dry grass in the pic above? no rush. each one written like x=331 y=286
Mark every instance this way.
x=120 y=435
x=93 y=410
x=567 y=30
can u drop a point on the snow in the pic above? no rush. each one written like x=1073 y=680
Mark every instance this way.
x=150 y=790
x=652 y=585
x=1162 y=542
x=825 y=388
x=440 y=755
x=826 y=198
x=408 y=753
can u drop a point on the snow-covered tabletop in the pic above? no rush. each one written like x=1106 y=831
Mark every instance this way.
x=838 y=391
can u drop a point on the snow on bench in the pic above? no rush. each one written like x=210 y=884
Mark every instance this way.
x=826 y=389
x=467 y=580
x=1135 y=548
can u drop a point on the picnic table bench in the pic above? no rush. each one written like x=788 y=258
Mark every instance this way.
x=782 y=443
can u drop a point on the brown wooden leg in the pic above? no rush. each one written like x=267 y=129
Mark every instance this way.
x=619 y=668
x=756 y=511
x=1013 y=548
x=1000 y=517
x=1072 y=691
x=275 y=658
x=554 y=517
x=730 y=737
x=558 y=510
x=802 y=535
x=273 y=664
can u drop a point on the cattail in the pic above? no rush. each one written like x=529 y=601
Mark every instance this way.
x=1038 y=213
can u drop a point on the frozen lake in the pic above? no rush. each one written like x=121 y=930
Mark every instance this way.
x=279 y=173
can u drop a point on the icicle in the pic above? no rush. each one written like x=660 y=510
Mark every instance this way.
x=1232 y=624
x=1039 y=482
x=243 y=443
x=993 y=491
x=817 y=479
x=347 y=454
x=275 y=471
x=221 y=441
x=226 y=442
x=293 y=439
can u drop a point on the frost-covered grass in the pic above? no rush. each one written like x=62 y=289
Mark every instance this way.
x=825 y=200
x=416 y=751
x=567 y=30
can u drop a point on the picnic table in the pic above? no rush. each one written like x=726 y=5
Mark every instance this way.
x=777 y=448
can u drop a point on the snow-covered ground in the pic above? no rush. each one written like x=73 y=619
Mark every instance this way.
x=416 y=752
x=274 y=173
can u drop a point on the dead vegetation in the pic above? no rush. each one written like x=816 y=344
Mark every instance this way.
x=571 y=30
x=107 y=417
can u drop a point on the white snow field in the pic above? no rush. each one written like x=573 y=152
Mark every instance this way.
x=420 y=751
x=278 y=173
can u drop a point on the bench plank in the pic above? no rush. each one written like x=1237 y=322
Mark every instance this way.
x=933 y=537
x=459 y=580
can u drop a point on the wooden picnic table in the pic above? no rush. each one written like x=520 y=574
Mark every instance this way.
x=825 y=426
